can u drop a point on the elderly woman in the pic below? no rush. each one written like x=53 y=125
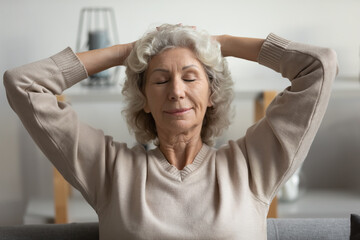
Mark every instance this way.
x=178 y=93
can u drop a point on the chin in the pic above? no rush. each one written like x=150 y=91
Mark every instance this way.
x=181 y=127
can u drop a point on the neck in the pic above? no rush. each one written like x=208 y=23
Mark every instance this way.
x=180 y=149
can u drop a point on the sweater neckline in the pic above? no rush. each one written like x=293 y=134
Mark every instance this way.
x=185 y=172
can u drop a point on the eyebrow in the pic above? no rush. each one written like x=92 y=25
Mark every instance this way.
x=189 y=66
x=164 y=70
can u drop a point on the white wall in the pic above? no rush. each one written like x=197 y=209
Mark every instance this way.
x=35 y=29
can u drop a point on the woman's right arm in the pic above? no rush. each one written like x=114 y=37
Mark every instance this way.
x=82 y=154
x=98 y=60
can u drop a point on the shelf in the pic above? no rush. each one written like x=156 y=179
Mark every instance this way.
x=343 y=87
x=41 y=211
x=80 y=93
x=346 y=87
x=322 y=204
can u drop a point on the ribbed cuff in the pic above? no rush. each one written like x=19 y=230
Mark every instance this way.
x=71 y=67
x=272 y=51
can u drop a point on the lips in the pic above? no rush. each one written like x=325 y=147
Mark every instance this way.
x=178 y=111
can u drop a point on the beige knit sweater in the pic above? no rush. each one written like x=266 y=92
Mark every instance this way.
x=224 y=194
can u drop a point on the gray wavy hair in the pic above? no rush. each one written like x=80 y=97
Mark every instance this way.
x=208 y=52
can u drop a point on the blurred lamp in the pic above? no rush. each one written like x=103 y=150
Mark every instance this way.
x=100 y=31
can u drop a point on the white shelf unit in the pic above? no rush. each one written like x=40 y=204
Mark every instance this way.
x=41 y=211
x=321 y=203
x=343 y=86
x=313 y=203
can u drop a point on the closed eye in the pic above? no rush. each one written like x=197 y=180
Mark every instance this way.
x=162 y=82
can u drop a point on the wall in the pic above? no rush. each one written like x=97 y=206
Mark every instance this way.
x=31 y=30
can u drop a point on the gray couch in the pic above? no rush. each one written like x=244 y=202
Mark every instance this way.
x=284 y=229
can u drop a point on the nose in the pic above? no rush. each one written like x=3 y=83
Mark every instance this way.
x=176 y=89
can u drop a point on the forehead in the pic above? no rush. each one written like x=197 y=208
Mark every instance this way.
x=174 y=57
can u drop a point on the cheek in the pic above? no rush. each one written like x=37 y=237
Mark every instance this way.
x=153 y=99
x=204 y=91
x=201 y=95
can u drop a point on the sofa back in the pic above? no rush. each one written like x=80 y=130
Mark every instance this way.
x=71 y=231
x=278 y=229
x=308 y=228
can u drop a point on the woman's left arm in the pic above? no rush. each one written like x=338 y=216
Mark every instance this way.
x=276 y=146
x=240 y=47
